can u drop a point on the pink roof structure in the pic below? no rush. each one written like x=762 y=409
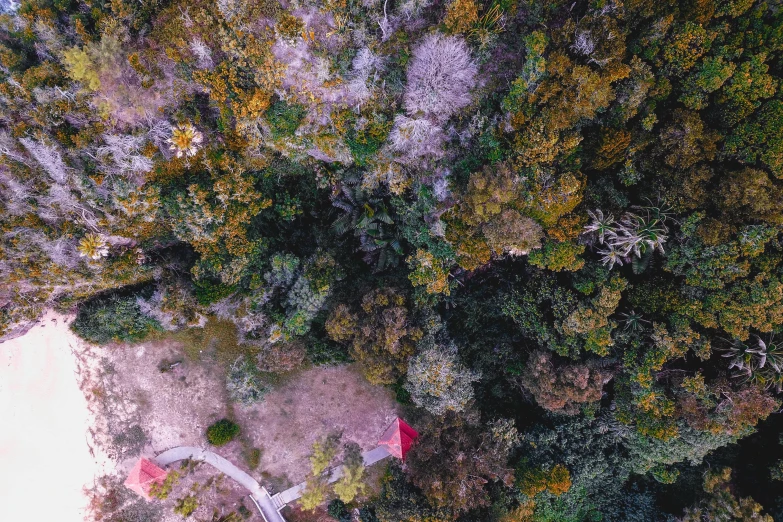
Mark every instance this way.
x=143 y=475
x=398 y=438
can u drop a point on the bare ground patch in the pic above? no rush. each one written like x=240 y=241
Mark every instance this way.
x=312 y=404
x=133 y=396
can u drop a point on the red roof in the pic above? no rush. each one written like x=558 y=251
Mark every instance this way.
x=398 y=438
x=143 y=475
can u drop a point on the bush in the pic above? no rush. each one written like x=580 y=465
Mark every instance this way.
x=367 y=514
x=222 y=432
x=322 y=351
x=113 y=318
x=186 y=506
x=284 y=119
x=338 y=511
x=244 y=383
x=252 y=457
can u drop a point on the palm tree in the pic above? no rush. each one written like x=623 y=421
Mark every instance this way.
x=634 y=235
x=93 y=246
x=760 y=362
x=602 y=226
x=770 y=373
x=633 y=321
x=369 y=218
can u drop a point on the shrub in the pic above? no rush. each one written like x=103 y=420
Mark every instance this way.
x=127 y=440
x=186 y=506
x=461 y=15
x=338 y=511
x=284 y=119
x=222 y=432
x=113 y=318
x=244 y=383
x=162 y=490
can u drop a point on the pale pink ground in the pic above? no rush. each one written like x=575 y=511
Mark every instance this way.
x=45 y=461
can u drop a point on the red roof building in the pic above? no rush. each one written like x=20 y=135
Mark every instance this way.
x=143 y=475
x=398 y=438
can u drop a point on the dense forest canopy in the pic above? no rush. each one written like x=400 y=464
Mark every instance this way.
x=553 y=227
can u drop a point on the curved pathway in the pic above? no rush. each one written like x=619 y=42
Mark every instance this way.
x=268 y=505
x=258 y=493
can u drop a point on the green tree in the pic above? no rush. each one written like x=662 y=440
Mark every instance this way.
x=382 y=337
x=81 y=68
x=351 y=483
x=438 y=382
x=324 y=451
x=314 y=494
x=760 y=138
x=565 y=387
x=454 y=458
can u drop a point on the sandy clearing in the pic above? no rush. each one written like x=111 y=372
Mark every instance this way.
x=45 y=459
x=174 y=408
x=313 y=404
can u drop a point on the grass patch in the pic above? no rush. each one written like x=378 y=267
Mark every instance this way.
x=252 y=457
x=217 y=340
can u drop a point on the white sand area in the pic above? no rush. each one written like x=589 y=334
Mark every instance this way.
x=45 y=460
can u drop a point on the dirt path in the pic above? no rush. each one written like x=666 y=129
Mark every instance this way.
x=41 y=406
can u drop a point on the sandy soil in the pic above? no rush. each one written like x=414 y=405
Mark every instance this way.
x=58 y=439
x=174 y=408
x=142 y=411
x=45 y=458
x=315 y=403
x=215 y=492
